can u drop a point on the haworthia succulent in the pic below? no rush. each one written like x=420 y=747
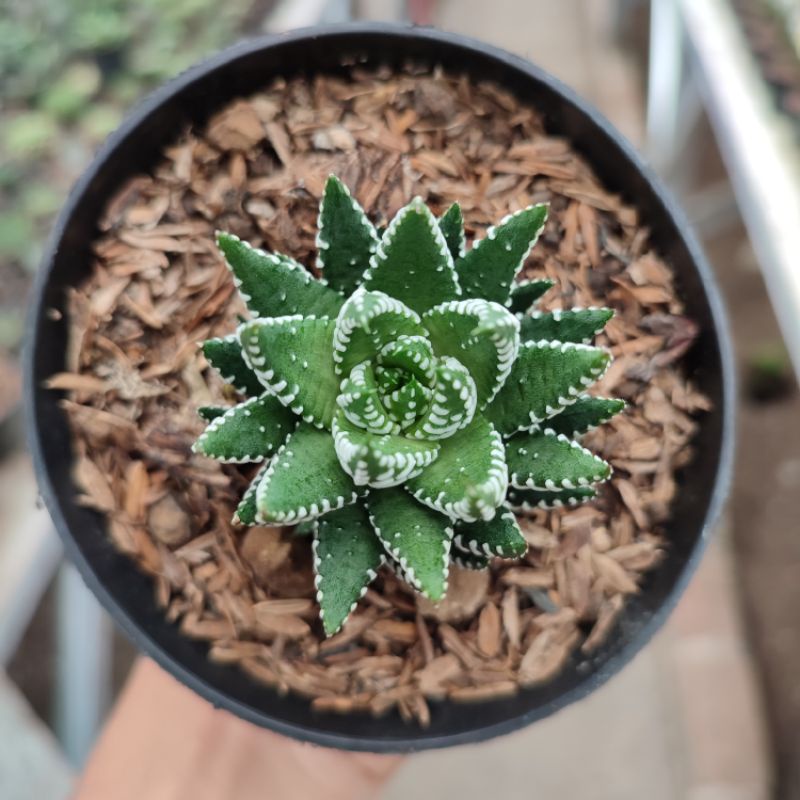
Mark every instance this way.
x=481 y=335
x=225 y=355
x=275 y=285
x=452 y=227
x=584 y=414
x=575 y=325
x=346 y=239
x=304 y=479
x=488 y=270
x=550 y=462
x=347 y=555
x=406 y=402
x=469 y=477
x=292 y=357
x=249 y=432
x=528 y=499
x=412 y=263
x=546 y=378
x=417 y=539
x=525 y=293
x=500 y=536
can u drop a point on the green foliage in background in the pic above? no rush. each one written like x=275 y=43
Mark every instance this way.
x=69 y=69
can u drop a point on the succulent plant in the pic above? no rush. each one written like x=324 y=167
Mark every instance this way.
x=407 y=401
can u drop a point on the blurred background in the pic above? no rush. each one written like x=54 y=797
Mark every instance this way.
x=709 y=91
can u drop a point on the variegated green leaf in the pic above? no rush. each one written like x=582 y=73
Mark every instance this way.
x=525 y=293
x=500 y=536
x=361 y=401
x=274 y=285
x=575 y=325
x=407 y=402
x=468 y=479
x=346 y=239
x=379 y=461
x=546 y=378
x=417 y=539
x=488 y=270
x=412 y=262
x=584 y=414
x=367 y=322
x=452 y=227
x=245 y=513
x=468 y=560
x=304 y=479
x=246 y=433
x=529 y=499
x=209 y=413
x=225 y=355
x=551 y=462
x=452 y=403
x=292 y=357
x=347 y=555
x=413 y=354
x=482 y=335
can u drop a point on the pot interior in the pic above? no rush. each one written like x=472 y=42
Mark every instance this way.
x=128 y=594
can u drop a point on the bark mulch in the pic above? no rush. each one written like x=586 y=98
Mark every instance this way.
x=135 y=378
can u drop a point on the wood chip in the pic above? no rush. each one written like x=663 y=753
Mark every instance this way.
x=487 y=691
x=489 y=631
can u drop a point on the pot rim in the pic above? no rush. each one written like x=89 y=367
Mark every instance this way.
x=417 y=738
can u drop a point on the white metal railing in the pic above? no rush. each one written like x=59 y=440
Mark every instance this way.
x=756 y=141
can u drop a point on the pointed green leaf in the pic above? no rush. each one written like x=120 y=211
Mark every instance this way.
x=452 y=403
x=451 y=224
x=551 y=462
x=468 y=480
x=274 y=285
x=292 y=357
x=361 y=402
x=417 y=538
x=488 y=270
x=379 y=461
x=249 y=432
x=209 y=413
x=584 y=414
x=389 y=378
x=367 y=322
x=575 y=325
x=482 y=335
x=225 y=355
x=525 y=293
x=469 y=560
x=412 y=262
x=304 y=479
x=529 y=499
x=412 y=354
x=346 y=239
x=546 y=378
x=347 y=555
x=246 y=511
x=405 y=403
x=500 y=536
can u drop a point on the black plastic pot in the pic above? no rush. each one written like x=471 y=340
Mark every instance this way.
x=128 y=594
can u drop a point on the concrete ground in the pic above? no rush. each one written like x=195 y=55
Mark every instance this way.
x=684 y=721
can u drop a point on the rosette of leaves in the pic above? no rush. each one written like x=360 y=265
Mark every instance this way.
x=409 y=400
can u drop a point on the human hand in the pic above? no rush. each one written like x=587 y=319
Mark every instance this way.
x=163 y=742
